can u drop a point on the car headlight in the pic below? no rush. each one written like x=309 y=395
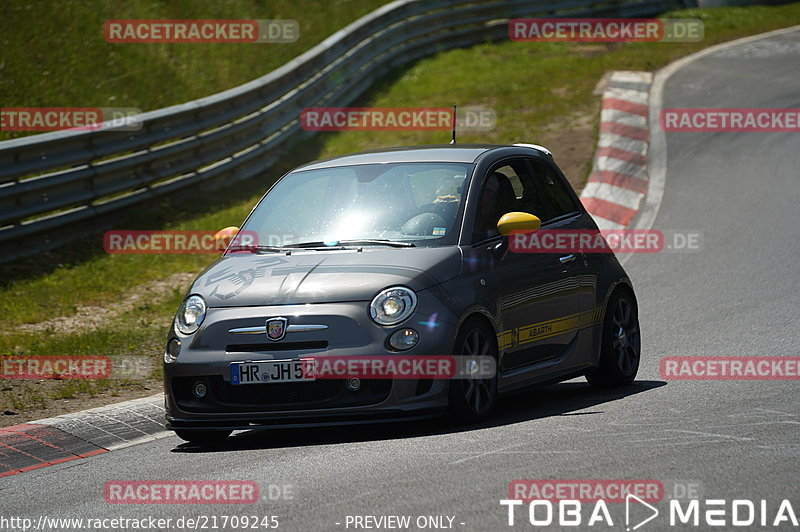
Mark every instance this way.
x=191 y=314
x=393 y=305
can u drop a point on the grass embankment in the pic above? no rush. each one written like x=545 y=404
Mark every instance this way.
x=540 y=92
x=54 y=53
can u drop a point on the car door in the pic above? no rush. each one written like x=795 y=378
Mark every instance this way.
x=537 y=291
x=562 y=212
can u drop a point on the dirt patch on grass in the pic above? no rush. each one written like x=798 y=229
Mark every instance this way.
x=89 y=317
x=28 y=400
x=591 y=50
x=572 y=143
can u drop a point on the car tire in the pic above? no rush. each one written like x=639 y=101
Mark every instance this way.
x=472 y=399
x=620 y=350
x=203 y=436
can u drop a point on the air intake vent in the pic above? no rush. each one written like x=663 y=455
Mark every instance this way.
x=276 y=346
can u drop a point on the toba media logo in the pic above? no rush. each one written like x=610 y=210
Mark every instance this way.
x=573 y=503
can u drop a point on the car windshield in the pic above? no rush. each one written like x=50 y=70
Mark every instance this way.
x=398 y=202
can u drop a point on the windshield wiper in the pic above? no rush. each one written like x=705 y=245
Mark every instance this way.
x=379 y=242
x=364 y=242
x=255 y=249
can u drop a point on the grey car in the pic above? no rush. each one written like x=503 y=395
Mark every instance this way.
x=391 y=253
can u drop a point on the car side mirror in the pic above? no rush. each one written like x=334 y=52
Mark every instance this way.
x=518 y=222
x=222 y=238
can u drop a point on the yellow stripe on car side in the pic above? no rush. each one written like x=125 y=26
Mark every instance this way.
x=546 y=329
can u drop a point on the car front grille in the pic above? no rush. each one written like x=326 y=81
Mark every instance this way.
x=275 y=346
x=323 y=393
x=277 y=393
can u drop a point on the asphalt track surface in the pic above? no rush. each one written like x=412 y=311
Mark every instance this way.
x=729 y=439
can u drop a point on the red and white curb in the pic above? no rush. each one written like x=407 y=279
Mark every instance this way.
x=618 y=182
x=70 y=437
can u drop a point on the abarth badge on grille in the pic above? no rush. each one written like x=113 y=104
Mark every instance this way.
x=276 y=328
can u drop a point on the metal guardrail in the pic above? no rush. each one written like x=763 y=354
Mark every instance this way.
x=56 y=186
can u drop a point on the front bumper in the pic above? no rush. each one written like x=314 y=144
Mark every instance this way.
x=206 y=357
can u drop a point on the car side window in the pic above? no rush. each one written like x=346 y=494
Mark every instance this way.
x=507 y=188
x=556 y=199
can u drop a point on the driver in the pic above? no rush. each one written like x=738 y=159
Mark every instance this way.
x=497 y=199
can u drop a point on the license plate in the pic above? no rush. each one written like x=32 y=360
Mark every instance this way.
x=273 y=371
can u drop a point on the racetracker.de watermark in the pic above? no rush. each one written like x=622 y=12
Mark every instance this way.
x=729 y=120
x=201 y=31
x=59 y=367
x=605 y=30
x=181 y=492
x=585 y=490
x=390 y=367
x=735 y=368
x=605 y=241
x=55 y=367
x=175 y=242
x=69 y=118
x=468 y=118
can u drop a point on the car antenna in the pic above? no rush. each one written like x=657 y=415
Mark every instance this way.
x=453 y=140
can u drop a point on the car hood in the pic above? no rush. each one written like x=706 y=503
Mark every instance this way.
x=322 y=276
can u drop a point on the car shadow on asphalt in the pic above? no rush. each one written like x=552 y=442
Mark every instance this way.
x=564 y=399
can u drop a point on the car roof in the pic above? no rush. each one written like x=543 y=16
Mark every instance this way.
x=442 y=153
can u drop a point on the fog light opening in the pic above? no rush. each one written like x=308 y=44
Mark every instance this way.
x=199 y=389
x=173 y=350
x=353 y=384
x=404 y=339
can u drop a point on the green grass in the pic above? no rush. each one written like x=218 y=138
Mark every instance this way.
x=54 y=53
x=142 y=330
x=138 y=333
x=535 y=90
x=104 y=278
x=533 y=86
x=27 y=397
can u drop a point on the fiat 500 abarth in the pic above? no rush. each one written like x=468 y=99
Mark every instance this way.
x=394 y=253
